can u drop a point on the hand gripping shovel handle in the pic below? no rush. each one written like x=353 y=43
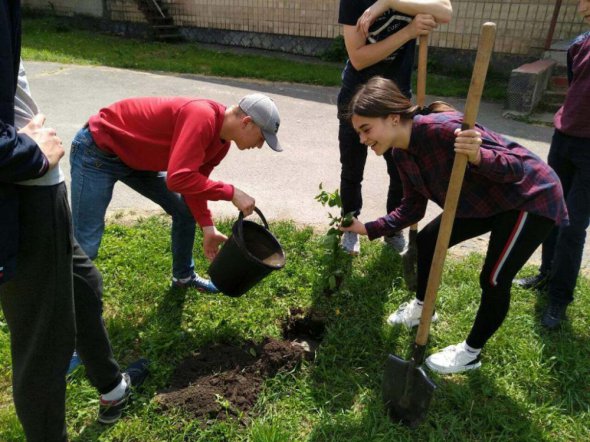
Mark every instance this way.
x=484 y=52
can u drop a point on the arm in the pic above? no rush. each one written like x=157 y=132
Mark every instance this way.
x=30 y=153
x=187 y=173
x=489 y=158
x=410 y=211
x=363 y=54
x=440 y=10
x=20 y=156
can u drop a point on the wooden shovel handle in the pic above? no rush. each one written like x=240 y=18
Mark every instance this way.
x=421 y=80
x=484 y=52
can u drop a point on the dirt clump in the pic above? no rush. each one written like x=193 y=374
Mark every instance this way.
x=222 y=380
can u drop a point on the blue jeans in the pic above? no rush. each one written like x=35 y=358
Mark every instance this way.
x=94 y=174
x=563 y=249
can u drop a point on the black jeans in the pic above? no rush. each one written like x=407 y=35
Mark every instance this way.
x=56 y=290
x=353 y=156
x=564 y=247
x=514 y=236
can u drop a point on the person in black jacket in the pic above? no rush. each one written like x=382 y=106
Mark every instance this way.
x=41 y=322
x=37 y=258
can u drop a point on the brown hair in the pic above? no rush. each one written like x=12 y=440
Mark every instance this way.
x=380 y=97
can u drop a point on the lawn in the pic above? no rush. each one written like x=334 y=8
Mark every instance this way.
x=532 y=385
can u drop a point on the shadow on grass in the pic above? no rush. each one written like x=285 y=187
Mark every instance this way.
x=567 y=355
x=465 y=407
x=92 y=432
x=350 y=360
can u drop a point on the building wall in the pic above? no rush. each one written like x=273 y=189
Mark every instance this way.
x=522 y=25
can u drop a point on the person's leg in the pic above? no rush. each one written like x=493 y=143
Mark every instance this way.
x=397 y=241
x=560 y=162
x=353 y=156
x=152 y=185
x=94 y=175
x=514 y=238
x=396 y=189
x=575 y=178
x=409 y=313
x=38 y=307
x=92 y=340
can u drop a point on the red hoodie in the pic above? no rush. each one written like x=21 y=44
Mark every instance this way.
x=175 y=134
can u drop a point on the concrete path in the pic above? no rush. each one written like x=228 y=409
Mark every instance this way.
x=284 y=184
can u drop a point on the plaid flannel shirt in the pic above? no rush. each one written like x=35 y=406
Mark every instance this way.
x=509 y=177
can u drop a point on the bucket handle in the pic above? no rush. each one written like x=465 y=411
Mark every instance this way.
x=241 y=219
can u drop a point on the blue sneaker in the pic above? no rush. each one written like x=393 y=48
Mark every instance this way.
x=75 y=362
x=196 y=282
x=110 y=412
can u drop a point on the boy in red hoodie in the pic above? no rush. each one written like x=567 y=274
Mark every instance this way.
x=165 y=148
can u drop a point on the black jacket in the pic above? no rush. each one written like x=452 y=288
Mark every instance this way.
x=20 y=157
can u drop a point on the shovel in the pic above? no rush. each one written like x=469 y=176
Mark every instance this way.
x=410 y=254
x=407 y=390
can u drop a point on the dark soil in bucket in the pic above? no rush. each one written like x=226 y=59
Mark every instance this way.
x=223 y=381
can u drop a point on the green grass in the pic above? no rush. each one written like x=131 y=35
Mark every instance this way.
x=533 y=385
x=56 y=40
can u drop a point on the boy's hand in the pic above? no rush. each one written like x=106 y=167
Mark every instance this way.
x=244 y=202
x=356 y=227
x=46 y=139
x=370 y=15
x=468 y=142
x=421 y=24
x=212 y=239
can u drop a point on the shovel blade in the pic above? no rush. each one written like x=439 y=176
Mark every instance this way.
x=407 y=391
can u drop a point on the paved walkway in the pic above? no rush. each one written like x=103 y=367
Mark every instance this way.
x=284 y=184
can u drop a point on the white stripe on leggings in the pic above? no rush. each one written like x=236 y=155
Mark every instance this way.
x=508 y=248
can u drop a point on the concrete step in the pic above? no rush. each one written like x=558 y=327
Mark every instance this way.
x=551 y=101
x=558 y=83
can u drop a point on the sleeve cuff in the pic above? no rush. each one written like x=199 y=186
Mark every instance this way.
x=44 y=167
x=373 y=231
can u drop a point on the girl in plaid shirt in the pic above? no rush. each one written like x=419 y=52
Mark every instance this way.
x=507 y=191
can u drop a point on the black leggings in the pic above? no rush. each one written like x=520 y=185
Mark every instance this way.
x=514 y=236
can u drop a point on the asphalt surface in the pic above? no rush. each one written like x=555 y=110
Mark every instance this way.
x=283 y=184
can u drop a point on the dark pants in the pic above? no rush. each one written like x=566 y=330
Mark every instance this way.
x=514 y=236
x=39 y=308
x=353 y=156
x=92 y=340
x=564 y=247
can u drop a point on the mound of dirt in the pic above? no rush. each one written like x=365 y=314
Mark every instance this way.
x=222 y=381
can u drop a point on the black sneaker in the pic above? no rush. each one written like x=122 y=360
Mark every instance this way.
x=536 y=282
x=110 y=412
x=553 y=316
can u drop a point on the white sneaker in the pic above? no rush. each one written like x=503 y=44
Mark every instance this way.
x=453 y=359
x=397 y=241
x=351 y=243
x=408 y=314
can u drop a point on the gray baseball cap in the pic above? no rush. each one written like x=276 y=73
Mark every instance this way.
x=265 y=115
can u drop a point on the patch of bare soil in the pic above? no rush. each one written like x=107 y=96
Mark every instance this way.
x=223 y=381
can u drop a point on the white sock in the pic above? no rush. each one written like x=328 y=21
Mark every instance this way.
x=182 y=280
x=471 y=350
x=420 y=303
x=116 y=393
